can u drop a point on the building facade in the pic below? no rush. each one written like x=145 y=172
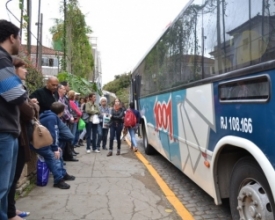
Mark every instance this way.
x=50 y=62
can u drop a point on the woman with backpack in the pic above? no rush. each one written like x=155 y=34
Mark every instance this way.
x=131 y=121
x=116 y=125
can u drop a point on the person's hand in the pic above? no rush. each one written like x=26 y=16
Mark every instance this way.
x=72 y=120
x=56 y=155
x=34 y=100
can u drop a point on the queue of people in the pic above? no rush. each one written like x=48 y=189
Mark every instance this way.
x=60 y=110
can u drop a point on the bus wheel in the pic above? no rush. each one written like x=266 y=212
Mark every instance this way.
x=250 y=194
x=149 y=150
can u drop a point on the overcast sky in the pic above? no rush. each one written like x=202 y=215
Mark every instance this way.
x=125 y=29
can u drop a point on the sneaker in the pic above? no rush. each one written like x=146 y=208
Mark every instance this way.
x=62 y=185
x=110 y=154
x=69 y=177
x=22 y=214
x=97 y=151
x=118 y=152
x=88 y=151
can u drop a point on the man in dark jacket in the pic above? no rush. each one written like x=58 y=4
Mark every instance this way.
x=12 y=99
x=46 y=95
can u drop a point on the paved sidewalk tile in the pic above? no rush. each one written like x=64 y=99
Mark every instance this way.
x=116 y=187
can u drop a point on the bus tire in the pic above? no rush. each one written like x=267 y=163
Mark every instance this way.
x=149 y=150
x=250 y=195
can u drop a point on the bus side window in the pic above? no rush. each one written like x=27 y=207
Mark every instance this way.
x=239 y=91
x=249 y=89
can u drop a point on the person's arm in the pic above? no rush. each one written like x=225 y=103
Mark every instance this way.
x=36 y=95
x=139 y=117
x=89 y=109
x=52 y=125
x=97 y=111
x=75 y=108
x=11 y=88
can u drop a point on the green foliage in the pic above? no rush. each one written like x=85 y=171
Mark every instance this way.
x=79 y=58
x=120 y=86
x=34 y=78
x=78 y=84
x=24 y=16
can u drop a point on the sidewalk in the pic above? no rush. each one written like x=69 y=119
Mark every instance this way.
x=116 y=187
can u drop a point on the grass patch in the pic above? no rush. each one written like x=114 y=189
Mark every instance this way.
x=28 y=189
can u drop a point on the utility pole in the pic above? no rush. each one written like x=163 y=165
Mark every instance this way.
x=38 y=36
x=40 y=41
x=29 y=9
x=64 y=36
x=21 y=19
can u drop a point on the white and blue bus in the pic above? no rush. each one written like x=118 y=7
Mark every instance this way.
x=206 y=93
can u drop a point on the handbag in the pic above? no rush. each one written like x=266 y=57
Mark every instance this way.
x=41 y=137
x=94 y=119
x=81 y=124
x=85 y=117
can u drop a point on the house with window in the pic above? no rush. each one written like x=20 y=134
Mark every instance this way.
x=51 y=60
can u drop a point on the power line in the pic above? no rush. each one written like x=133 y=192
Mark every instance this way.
x=18 y=19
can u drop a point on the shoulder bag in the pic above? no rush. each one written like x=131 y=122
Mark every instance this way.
x=41 y=136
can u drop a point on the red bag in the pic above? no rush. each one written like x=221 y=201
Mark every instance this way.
x=130 y=119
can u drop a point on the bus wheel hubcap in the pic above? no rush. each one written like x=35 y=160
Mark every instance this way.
x=253 y=202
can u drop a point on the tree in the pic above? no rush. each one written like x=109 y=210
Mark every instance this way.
x=120 y=86
x=79 y=56
x=78 y=84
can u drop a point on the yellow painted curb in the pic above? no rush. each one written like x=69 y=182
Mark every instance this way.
x=169 y=194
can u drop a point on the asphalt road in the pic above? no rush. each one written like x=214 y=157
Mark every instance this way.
x=198 y=203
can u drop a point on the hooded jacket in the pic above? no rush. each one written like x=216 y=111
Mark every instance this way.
x=51 y=121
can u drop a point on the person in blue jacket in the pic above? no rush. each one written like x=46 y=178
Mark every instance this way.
x=52 y=154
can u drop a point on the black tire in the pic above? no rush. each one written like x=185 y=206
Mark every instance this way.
x=149 y=150
x=247 y=180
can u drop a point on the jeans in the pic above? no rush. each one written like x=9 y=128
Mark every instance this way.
x=102 y=136
x=54 y=165
x=8 y=158
x=90 y=127
x=132 y=132
x=19 y=168
x=73 y=128
x=76 y=137
x=115 y=131
x=65 y=133
x=82 y=135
